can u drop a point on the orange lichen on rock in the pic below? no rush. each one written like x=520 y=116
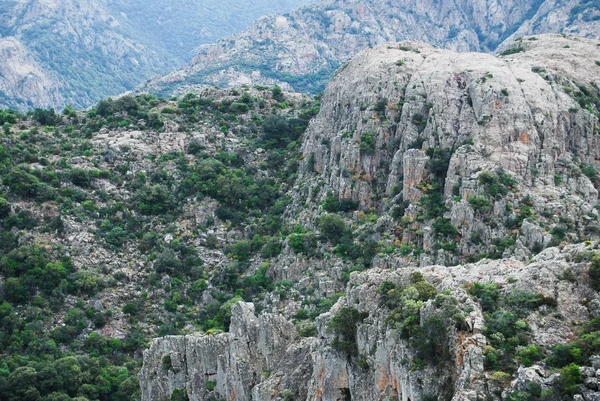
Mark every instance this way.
x=524 y=138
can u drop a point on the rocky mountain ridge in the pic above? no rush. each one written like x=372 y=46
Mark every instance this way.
x=78 y=52
x=302 y=49
x=493 y=139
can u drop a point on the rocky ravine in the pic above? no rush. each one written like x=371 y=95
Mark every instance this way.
x=263 y=358
x=304 y=47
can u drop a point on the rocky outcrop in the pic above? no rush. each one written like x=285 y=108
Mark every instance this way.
x=262 y=358
x=304 y=47
x=501 y=139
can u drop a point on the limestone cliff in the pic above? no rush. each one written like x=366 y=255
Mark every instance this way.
x=501 y=144
x=263 y=358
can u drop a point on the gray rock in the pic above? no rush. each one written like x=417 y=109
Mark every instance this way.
x=591 y=383
x=262 y=357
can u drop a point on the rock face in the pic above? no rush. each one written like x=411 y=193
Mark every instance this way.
x=491 y=140
x=263 y=358
x=258 y=356
x=23 y=79
x=308 y=44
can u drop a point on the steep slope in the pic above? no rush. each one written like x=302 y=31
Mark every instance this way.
x=23 y=79
x=82 y=51
x=80 y=47
x=130 y=221
x=304 y=47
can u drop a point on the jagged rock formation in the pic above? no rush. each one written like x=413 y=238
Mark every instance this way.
x=262 y=358
x=304 y=47
x=494 y=140
x=459 y=157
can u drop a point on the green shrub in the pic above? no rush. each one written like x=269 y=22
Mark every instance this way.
x=333 y=204
x=4 y=208
x=332 y=227
x=179 y=394
x=570 y=377
x=154 y=200
x=277 y=93
x=80 y=177
x=367 y=142
x=499 y=183
x=518 y=396
x=27 y=185
x=45 y=117
x=239 y=108
x=344 y=325
x=529 y=355
x=488 y=294
x=480 y=204
x=167 y=261
x=131 y=308
x=590 y=172
x=430 y=340
x=595 y=272
x=271 y=248
x=166 y=362
x=512 y=50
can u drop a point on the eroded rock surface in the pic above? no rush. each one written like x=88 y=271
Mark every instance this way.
x=263 y=358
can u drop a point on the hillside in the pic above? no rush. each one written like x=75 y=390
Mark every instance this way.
x=77 y=52
x=302 y=49
x=425 y=229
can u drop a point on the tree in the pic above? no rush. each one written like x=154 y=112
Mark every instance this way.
x=278 y=94
x=4 y=208
x=80 y=177
x=595 y=272
x=344 y=325
x=332 y=227
x=157 y=199
x=45 y=117
x=431 y=340
x=22 y=384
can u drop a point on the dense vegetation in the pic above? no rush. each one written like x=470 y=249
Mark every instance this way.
x=67 y=330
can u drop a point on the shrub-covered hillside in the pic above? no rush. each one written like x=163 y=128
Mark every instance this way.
x=138 y=218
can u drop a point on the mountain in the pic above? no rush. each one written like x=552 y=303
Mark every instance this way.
x=472 y=181
x=78 y=52
x=181 y=26
x=303 y=48
x=425 y=229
